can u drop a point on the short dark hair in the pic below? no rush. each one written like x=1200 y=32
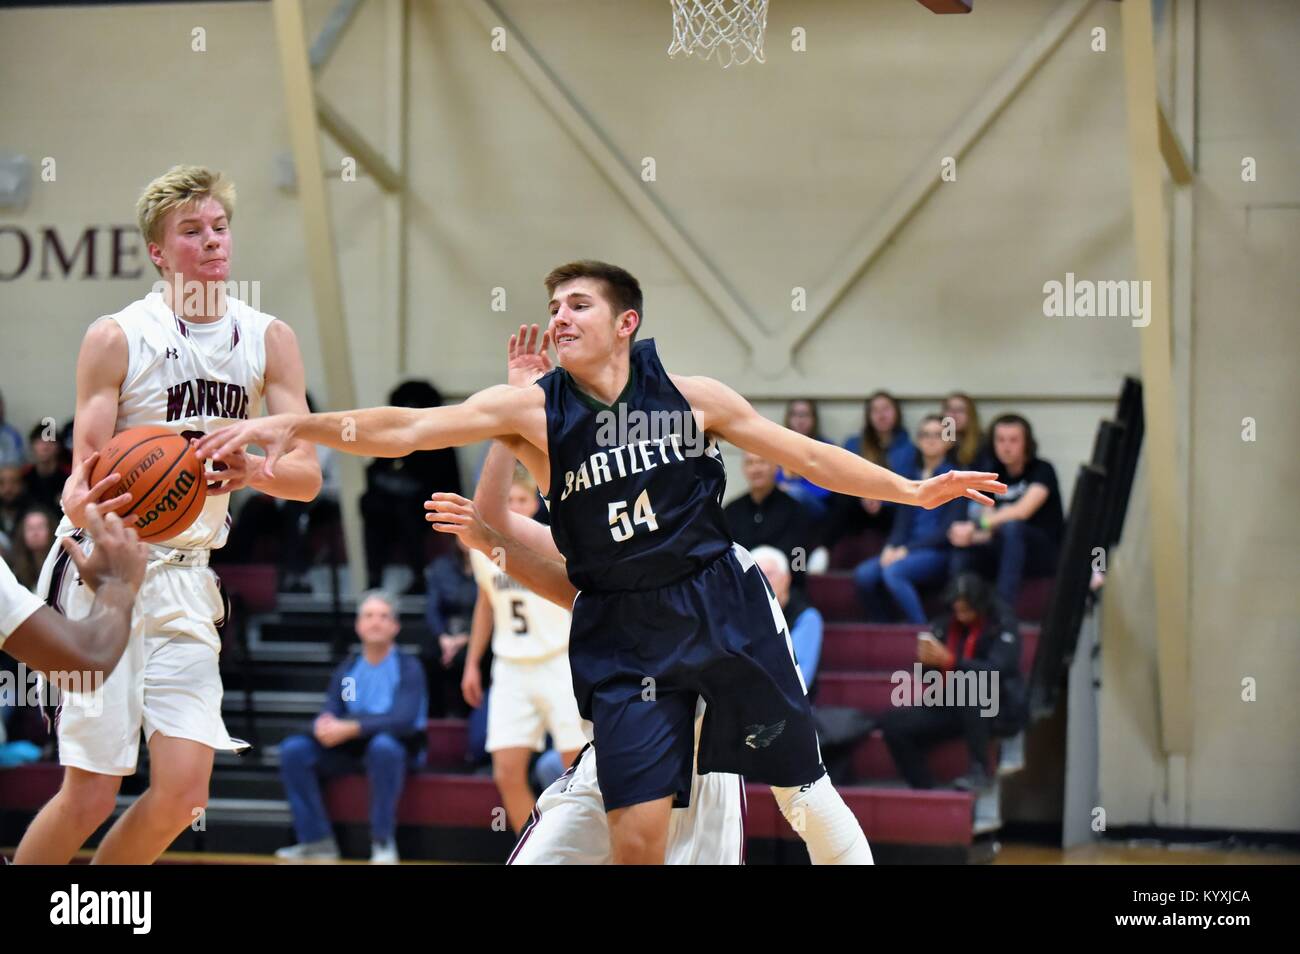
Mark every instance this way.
x=621 y=288
x=972 y=590
x=1031 y=445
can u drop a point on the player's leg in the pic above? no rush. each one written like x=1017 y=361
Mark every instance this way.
x=510 y=772
x=759 y=723
x=711 y=829
x=568 y=825
x=83 y=802
x=638 y=834
x=181 y=714
x=515 y=731
x=179 y=772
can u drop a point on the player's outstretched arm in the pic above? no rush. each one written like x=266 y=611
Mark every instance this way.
x=379 y=431
x=492 y=497
x=724 y=412
x=544 y=575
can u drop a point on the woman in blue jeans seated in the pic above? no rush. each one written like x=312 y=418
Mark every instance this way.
x=374 y=722
x=917 y=551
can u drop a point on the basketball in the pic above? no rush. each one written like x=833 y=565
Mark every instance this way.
x=164 y=477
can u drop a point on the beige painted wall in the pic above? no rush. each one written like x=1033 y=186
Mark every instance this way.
x=1244 y=764
x=774 y=172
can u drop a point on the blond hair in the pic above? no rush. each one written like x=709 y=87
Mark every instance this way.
x=180 y=186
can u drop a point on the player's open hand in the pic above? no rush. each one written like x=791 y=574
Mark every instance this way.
x=77 y=494
x=452 y=513
x=527 y=359
x=273 y=433
x=118 y=555
x=973 y=484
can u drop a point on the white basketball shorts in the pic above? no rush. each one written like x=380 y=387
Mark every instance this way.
x=168 y=679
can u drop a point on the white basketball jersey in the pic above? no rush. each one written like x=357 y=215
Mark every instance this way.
x=192 y=378
x=525 y=626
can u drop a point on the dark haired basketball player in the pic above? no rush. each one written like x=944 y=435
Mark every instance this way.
x=670 y=609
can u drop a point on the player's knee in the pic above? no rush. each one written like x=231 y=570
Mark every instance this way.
x=634 y=845
x=180 y=804
x=509 y=772
x=89 y=805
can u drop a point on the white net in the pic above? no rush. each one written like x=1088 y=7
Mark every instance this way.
x=730 y=30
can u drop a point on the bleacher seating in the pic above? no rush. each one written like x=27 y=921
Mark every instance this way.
x=447 y=808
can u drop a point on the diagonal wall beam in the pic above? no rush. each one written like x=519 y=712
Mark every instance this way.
x=925 y=179
x=322 y=260
x=600 y=149
x=1172 y=150
x=355 y=145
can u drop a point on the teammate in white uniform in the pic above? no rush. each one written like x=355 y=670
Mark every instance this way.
x=532 y=690
x=568 y=824
x=191 y=359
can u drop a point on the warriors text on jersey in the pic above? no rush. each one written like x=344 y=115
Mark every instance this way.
x=191 y=378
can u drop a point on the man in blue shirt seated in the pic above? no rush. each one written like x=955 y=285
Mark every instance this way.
x=373 y=721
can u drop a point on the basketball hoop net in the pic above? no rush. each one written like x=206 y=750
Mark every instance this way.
x=731 y=30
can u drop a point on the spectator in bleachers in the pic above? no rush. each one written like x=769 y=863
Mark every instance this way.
x=374 y=722
x=45 y=476
x=448 y=611
x=1021 y=534
x=967 y=450
x=917 y=551
x=883 y=441
x=30 y=544
x=975 y=633
x=392 y=507
x=12 y=452
x=801 y=617
x=14 y=502
x=768 y=516
x=801 y=417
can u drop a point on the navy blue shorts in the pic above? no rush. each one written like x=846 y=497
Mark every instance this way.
x=641 y=660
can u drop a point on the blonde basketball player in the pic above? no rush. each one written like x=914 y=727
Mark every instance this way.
x=532 y=692
x=191 y=359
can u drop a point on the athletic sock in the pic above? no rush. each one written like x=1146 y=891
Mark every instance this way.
x=820 y=817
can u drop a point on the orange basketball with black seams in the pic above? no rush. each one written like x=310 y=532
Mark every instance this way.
x=163 y=476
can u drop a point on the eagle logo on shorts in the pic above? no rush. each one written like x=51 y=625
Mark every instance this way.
x=761 y=736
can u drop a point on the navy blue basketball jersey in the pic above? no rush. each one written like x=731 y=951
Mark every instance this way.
x=636 y=488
